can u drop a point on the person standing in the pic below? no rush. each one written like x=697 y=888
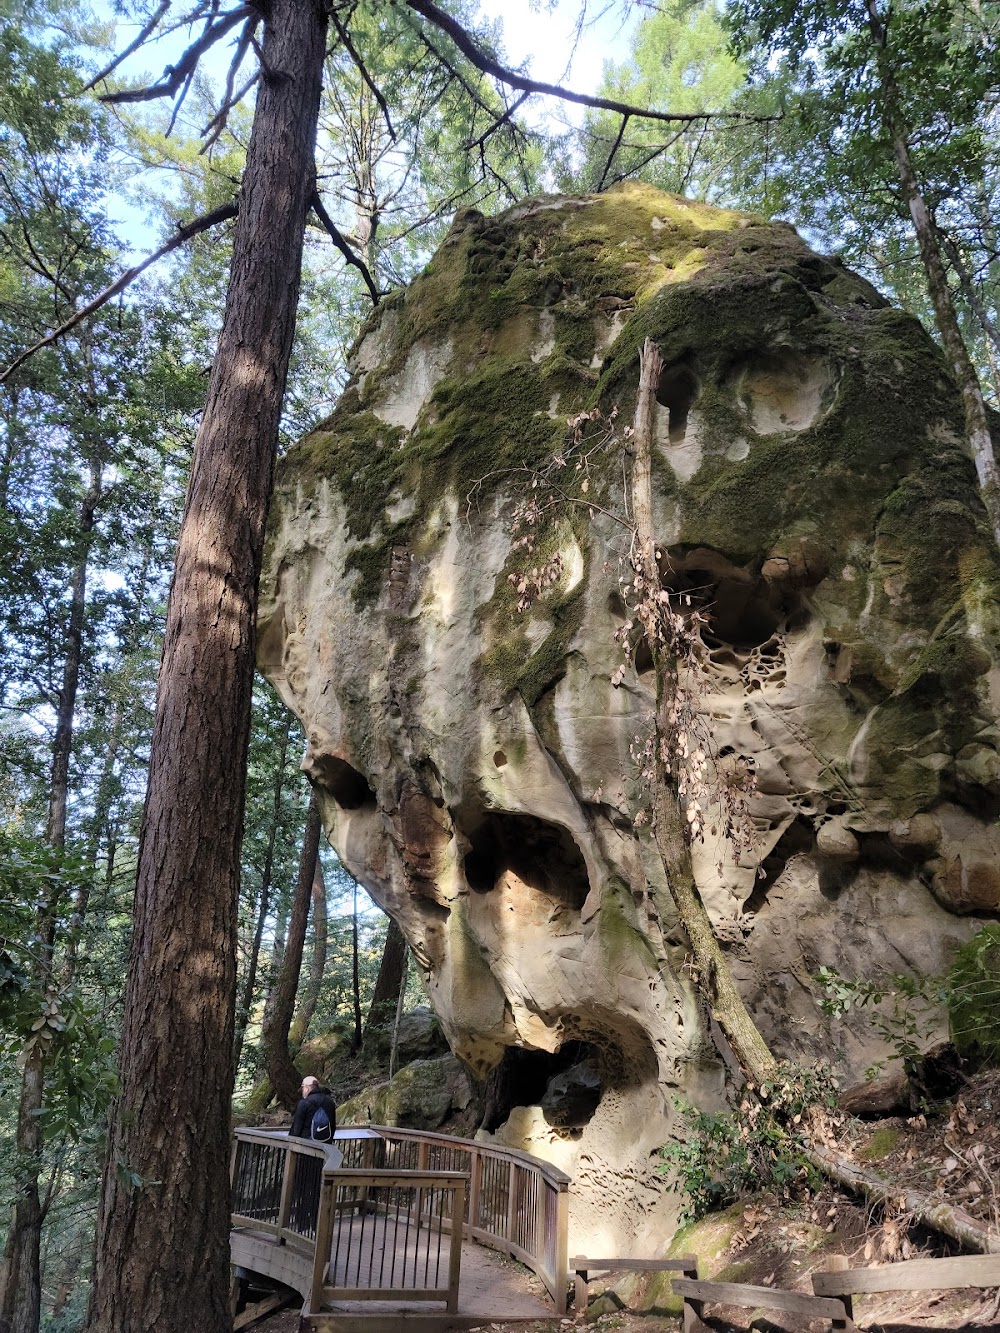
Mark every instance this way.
x=316 y=1113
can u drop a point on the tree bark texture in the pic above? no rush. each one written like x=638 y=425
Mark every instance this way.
x=669 y=830
x=163 y=1249
x=281 y=1071
x=264 y=904
x=391 y=971
x=977 y=424
x=20 y=1280
x=317 y=962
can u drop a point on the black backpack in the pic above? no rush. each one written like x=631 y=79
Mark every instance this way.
x=321 y=1127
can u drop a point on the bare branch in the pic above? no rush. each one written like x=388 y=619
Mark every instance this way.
x=175 y=75
x=221 y=118
x=185 y=233
x=132 y=46
x=497 y=124
x=218 y=122
x=375 y=91
x=485 y=62
x=333 y=231
x=611 y=156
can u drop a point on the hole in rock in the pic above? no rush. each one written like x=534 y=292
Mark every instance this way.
x=677 y=391
x=797 y=838
x=499 y=758
x=349 y=788
x=541 y=855
x=785 y=390
x=565 y=1083
x=745 y=610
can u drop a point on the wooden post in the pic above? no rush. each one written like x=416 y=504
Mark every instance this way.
x=561 y=1275
x=455 y=1256
x=287 y=1185
x=692 y=1316
x=580 y=1284
x=839 y=1263
x=321 y=1252
x=512 y=1200
x=475 y=1180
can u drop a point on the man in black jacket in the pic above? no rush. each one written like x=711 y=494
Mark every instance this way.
x=314 y=1098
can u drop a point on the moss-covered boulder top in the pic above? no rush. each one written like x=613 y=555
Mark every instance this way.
x=442 y=606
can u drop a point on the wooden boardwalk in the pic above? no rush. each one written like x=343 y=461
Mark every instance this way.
x=492 y=1288
x=399 y=1230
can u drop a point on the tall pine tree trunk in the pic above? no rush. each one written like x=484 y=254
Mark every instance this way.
x=355 y=972
x=20 y=1277
x=264 y=902
x=382 y=1010
x=977 y=424
x=163 y=1249
x=317 y=962
x=280 y=1069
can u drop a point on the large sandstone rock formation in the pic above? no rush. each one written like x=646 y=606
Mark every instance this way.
x=474 y=761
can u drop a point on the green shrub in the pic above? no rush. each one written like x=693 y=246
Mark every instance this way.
x=729 y=1154
x=974 y=998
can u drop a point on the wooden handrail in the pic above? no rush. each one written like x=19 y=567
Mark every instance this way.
x=501 y=1208
x=558 y=1179
x=544 y=1253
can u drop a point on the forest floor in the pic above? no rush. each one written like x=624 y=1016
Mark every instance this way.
x=952 y=1152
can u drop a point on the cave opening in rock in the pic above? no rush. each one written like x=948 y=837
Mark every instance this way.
x=541 y=854
x=677 y=391
x=744 y=609
x=797 y=838
x=566 y=1084
x=349 y=788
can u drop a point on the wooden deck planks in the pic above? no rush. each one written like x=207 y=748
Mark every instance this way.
x=492 y=1288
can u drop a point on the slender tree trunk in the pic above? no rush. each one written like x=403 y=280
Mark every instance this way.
x=62 y=744
x=388 y=983
x=20 y=1279
x=355 y=973
x=267 y=871
x=317 y=962
x=669 y=826
x=280 y=1069
x=400 y=1000
x=163 y=1250
x=977 y=425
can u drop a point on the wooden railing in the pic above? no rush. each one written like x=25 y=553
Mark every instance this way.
x=516 y=1203
x=374 y=1210
x=276 y=1184
x=389 y=1237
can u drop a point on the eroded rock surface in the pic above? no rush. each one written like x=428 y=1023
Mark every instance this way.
x=475 y=761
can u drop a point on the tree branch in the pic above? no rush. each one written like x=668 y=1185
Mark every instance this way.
x=611 y=156
x=485 y=62
x=132 y=46
x=349 y=47
x=185 y=233
x=176 y=75
x=333 y=231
